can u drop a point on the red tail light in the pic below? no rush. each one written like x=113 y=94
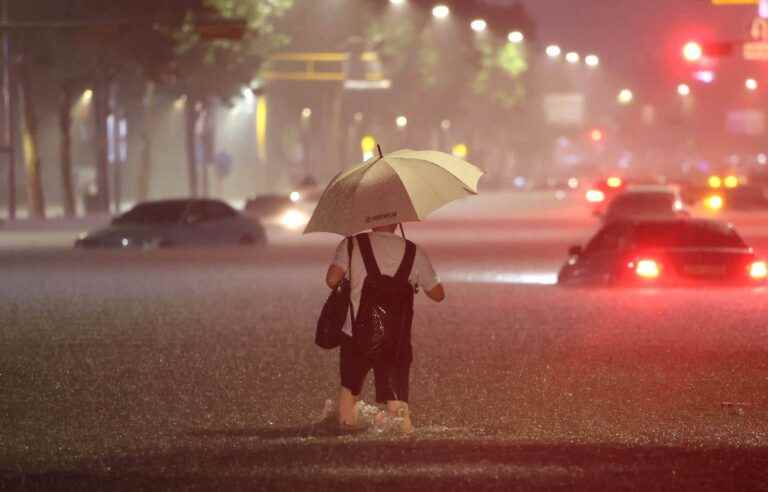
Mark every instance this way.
x=758 y=270
x=647 y=269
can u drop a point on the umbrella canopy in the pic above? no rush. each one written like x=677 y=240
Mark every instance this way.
x=404 y=186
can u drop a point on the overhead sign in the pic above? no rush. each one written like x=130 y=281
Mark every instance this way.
x=734 y=2
x=567 y=109
x=757 y=49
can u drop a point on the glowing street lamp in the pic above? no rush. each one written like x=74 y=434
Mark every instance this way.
x=553 y=51
x=401 y=122
x=750 y=84
x=87 y=96
x=572 y=57
x=306 y=113
x=479 y=25
x=592 y=61
x=441 y=11
x=516 y=37
x=397 y=2
x=692 y=51
x=684 y=90
x=625 y=96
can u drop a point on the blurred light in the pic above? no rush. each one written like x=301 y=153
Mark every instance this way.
x=247 y=94
x=731 y=181
x=553 y=51
x=592 y=60
x=180 y=103
x=560 y=195
x=713 y=202
x=478 y=25
x=762 y=159
x=367 y=144
x=614 y=182
x=683 y=89
x=306 y=113
x=445 y=124
x=294 y=219
x=87 y=96
x=572 y=57
x=516 y=37
x=441 y=11
x=397 y=2
x=401 y=122
x=125 y=242
x=573 y=183
x=358 y=117
x=715 y=182
x=758 y=270
x=706 y=76
x=520 y=181
x=692 y=51
x=595 y=196
x=647 y=269
x=460 y=150
x=750 y=84
x=596 y=135
x=677 y=206
x=295 y=196
x=626 y=96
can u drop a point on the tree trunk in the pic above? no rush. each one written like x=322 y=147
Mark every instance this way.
x=191 y=116
x=35 y=197
x=100 y=109
x=65 y=126
x=145 y=165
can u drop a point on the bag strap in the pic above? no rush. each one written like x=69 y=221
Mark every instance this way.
x=371 y=268
x=404 y=270
x=350 y=247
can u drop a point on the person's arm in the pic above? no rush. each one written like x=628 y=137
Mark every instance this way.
x=334 y=276
x=437 y=293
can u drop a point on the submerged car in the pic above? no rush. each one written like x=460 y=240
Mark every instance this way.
x=165 y=223
x=645 y=202
x=286 y=211
x=664 y=253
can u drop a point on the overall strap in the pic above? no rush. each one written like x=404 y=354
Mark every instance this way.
x=404 y=271
x=371 y=268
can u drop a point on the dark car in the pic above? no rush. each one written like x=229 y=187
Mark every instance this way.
x=664 y=252
x=178 y=222
x=645 y=202
x=746 y=197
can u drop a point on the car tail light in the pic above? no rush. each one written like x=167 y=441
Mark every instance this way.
x=595 y=196
x=758 y=270
x=614 y=182
x=647 y=269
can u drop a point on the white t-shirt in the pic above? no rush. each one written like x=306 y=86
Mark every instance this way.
x=389 y=250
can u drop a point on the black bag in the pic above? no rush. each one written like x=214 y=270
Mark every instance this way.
x=382 y=328
x=330 y=324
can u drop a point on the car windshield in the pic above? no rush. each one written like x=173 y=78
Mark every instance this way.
x=686 y=235
x=651 y=202
x=154 y=213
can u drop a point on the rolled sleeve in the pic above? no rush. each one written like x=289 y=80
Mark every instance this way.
x=426 y=276
x=341 y=258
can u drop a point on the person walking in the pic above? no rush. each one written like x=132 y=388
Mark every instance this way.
x=388 y=254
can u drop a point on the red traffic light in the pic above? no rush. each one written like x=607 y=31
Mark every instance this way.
x=693 y=51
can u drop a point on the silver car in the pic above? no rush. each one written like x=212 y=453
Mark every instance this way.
x=166 y=223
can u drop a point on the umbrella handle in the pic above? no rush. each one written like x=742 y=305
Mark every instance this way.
x=402 y=231
x=378 y=147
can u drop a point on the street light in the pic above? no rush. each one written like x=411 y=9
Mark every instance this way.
x=592 y=61
x=306 y=113
x=87 y=96
x=750 y=84
x=401 y=122
x=441 y=11
x=479 y=25
x=683 y=90
x=692 y=51
x=625 y=96
x=553 y=51
x=397 y=2
x=516 y=37
x=572 y=57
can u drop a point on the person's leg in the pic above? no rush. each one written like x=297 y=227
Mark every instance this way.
x=353 y=368
x=392 y=388
x=399 y=409
x=347 y=410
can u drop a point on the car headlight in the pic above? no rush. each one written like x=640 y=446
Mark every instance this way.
x=294 y=219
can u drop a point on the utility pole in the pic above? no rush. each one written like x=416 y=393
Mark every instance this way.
x=8 y=124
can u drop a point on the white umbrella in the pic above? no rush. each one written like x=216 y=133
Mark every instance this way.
x=403 y=186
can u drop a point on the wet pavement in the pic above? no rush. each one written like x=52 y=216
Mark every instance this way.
x=196 y=370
